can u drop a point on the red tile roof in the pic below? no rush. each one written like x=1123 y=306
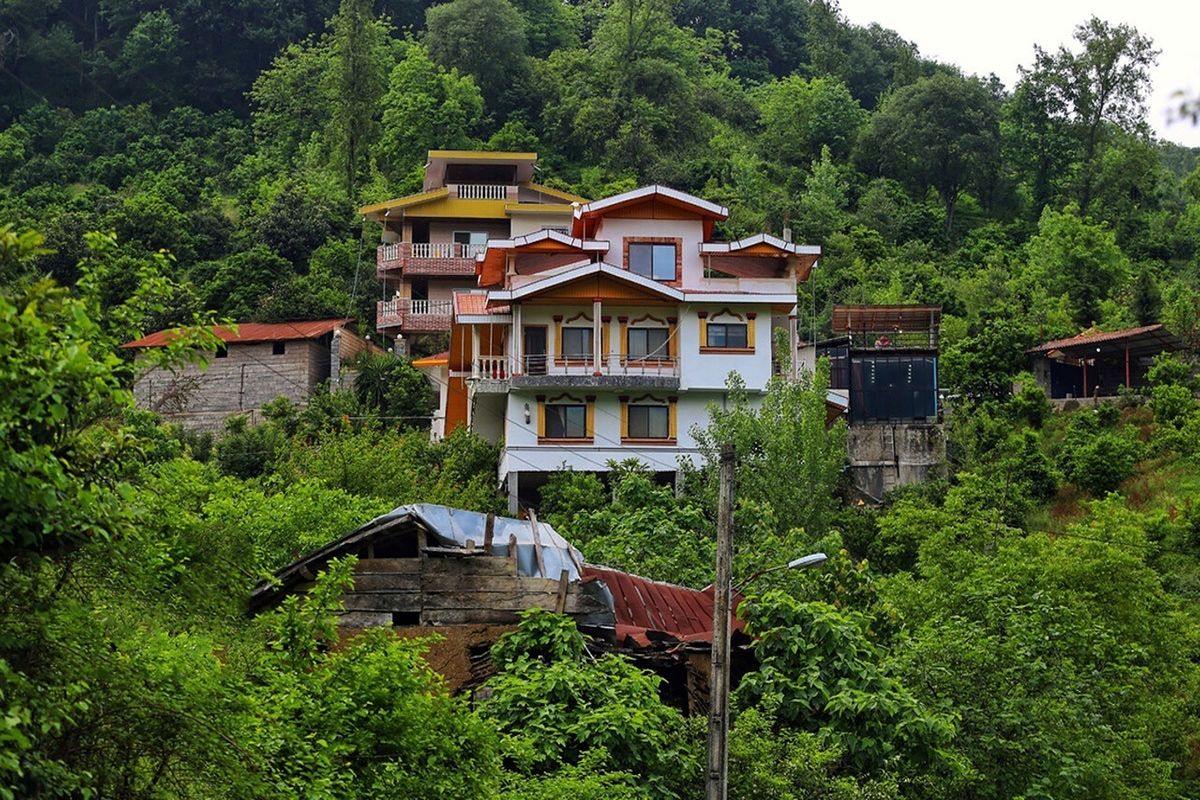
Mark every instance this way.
x=648 y=610
x=471 y=303
x=251 y=332
x=1146 y=335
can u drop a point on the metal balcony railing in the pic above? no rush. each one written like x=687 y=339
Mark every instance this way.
x=502 y=367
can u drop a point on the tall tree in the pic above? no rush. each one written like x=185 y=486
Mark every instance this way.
x=941 y=131
x=358 y=82
x=1107 y=81
x=486 y=40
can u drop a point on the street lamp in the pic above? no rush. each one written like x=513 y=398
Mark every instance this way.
x=803 y=562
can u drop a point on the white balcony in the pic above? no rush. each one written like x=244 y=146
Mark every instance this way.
x=480 y=191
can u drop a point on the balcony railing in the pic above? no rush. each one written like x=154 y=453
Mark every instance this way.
x=481 y=191
x=414 y=315
x=502 y=367
x=427 y=258
x=432 y=250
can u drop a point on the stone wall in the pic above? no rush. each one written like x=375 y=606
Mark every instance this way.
x=886 y=455
x=249 y=376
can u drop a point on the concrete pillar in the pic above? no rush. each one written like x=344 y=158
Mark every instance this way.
x=518 y=341
x=475 y=351
x=596 y=328
x=514 y=506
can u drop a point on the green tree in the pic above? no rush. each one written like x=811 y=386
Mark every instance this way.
x=1147 y=299
x=357 y=83
x=556 y=707
x=820 y=672
x=484 y=39
x=941 y=131
x=1077 y=258
x=789 y=460
x=426 y=108
x=800 y=117
x=1105 y=82
x=395 y=390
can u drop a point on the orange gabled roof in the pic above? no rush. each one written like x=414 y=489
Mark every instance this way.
x=490 y=265
x=648 y=196
x=250 y=332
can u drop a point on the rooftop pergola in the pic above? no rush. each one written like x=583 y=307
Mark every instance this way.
x=896 y=326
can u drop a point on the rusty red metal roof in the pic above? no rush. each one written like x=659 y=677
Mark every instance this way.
x=251 y=332
x=648 y=611
x=1147 y=337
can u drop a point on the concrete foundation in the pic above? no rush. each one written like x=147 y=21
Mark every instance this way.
x=886 y=455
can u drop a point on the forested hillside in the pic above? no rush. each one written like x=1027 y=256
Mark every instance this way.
x=241 y=138
x=1026 y=628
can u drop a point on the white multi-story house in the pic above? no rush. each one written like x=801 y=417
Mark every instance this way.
x=610 y=342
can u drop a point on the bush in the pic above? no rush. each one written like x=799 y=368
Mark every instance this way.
x=1099 y=462
x=1172 y=404
x=1029 y=402
x=248 y=451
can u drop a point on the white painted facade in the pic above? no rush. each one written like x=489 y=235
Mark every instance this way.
x=509 y=392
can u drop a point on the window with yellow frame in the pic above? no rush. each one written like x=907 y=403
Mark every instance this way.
x=649 y=420
x=566 y=418
x=648 y=338
x=726 y=332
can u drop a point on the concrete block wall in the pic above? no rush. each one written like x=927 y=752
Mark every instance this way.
x=250 y=376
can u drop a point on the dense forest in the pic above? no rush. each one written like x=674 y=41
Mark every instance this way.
x=1026 y=628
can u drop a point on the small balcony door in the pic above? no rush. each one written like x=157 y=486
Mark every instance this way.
x=535 y=349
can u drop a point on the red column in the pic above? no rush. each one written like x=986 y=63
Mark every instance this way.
x=1085 y=391
x=1128 y=383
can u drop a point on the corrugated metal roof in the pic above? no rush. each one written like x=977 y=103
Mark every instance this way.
x=250 y=332
x=647 y=610
x=540 y=554
x=1151 y=336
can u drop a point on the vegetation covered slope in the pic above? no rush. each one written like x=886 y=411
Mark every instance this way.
x=1016 y=632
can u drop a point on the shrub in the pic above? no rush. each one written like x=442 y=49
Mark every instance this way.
x=248 y=451
x=1098 y=463
x=1029 y=402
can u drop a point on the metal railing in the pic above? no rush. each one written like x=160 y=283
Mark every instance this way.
x=481 y=191
x=502 y=367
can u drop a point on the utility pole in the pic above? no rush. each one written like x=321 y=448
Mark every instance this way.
x=716 y=786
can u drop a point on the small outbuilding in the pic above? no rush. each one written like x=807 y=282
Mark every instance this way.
x=884 y=378
x=256 y=363
x=466 y=576
x=1098 y=363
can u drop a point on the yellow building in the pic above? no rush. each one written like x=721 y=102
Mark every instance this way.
x=431 y=239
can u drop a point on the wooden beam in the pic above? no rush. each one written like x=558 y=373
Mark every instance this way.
x=489 y=531
x=537 y=544
x=560 y=603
